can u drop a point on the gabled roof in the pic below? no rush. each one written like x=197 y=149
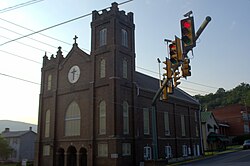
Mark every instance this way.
x=205 y=116
x=79 y=51
x=149 y=83
x=15 y=133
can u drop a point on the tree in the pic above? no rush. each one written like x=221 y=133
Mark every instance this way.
x=5 y=149
x=220 y=91
x=238 y=95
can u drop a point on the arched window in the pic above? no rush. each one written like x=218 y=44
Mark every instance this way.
x=125 y=68
x=102 y=68
x=72 y=120
x=47 y=123
x=102 y=117
x=49 y=84
x=125 y=118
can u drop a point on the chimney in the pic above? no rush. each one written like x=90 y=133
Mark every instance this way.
x=6 y=130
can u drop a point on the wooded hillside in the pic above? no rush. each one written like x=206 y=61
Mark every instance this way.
x=240 y=94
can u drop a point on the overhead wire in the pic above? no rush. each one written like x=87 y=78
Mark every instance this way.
x=6 y=75
x=30 y=38
x=27 y=45
x=19 y=5
x=34 y=32
x=56 y=25
x=31 y=60
x=196 y=90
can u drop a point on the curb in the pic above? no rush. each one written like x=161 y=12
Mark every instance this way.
x=205 y=157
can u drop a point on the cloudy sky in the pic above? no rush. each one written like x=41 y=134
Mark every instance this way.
x=220 y=60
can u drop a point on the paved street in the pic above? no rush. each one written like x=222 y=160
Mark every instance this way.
x=240 y=158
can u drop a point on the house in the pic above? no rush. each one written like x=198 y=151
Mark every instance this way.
x=237 y=116
x=95 y=109
x=223 y=127
x=212 y=139
x=22 y=144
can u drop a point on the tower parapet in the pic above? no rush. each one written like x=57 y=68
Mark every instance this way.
x=114 y=10
x=53 y=60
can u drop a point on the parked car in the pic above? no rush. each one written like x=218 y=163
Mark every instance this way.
x=246 y=144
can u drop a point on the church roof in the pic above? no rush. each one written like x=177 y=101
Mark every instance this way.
x=152 y=84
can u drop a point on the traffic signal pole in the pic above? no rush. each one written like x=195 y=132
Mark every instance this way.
x=164 y=84
x=154 y=127
x=202 y=27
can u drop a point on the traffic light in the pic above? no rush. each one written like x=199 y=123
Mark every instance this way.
x=168 y=69
x=186 y=68
x=176 y=78
x=173 y=53
x=164 y=95
x=188 y=34
x=170 y=87
x=178 y=49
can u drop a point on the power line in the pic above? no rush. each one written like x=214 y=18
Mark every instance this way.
x=34 y=31
x=20 y=56
x=20 y=5
x=6 y=75
x=26 y=45
x=31 y=38
x=201 y=84
x=193 y=90
x=56 y=25
x=39 y=34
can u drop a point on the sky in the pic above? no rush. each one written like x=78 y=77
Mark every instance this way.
x=220 y=60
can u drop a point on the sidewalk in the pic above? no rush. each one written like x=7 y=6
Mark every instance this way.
x=186 y=160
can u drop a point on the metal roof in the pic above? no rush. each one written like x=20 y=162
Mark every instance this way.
x=149 y=83
x=10 y=134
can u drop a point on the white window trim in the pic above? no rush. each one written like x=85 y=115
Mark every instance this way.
x=47 y=124
x=184 y=150
x=146 y=129
x=126 y=149
x=103 y=37
x=147 y=153
x=125 y=118
x=125 y=68
x=124 y=38
x=49 y=86
x=166 y=124
x=168 y=152
x=76 y=119
x=183 y=127
x=102 y=117
x=103 y=150
x=46 y=150
x=102 y=68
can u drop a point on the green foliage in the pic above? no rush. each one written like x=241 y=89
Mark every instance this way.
x=238 y=95
x=240 y=139
x=5 y=149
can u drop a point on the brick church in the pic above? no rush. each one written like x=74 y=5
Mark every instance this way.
x=95 y=109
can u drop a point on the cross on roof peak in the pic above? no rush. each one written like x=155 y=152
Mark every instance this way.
x=75 y=38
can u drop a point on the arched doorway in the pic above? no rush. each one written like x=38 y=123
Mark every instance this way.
x=83 y=157
x=71 y=156
x=60 y=157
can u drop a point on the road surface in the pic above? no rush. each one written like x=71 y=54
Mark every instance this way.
x=239 y=158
